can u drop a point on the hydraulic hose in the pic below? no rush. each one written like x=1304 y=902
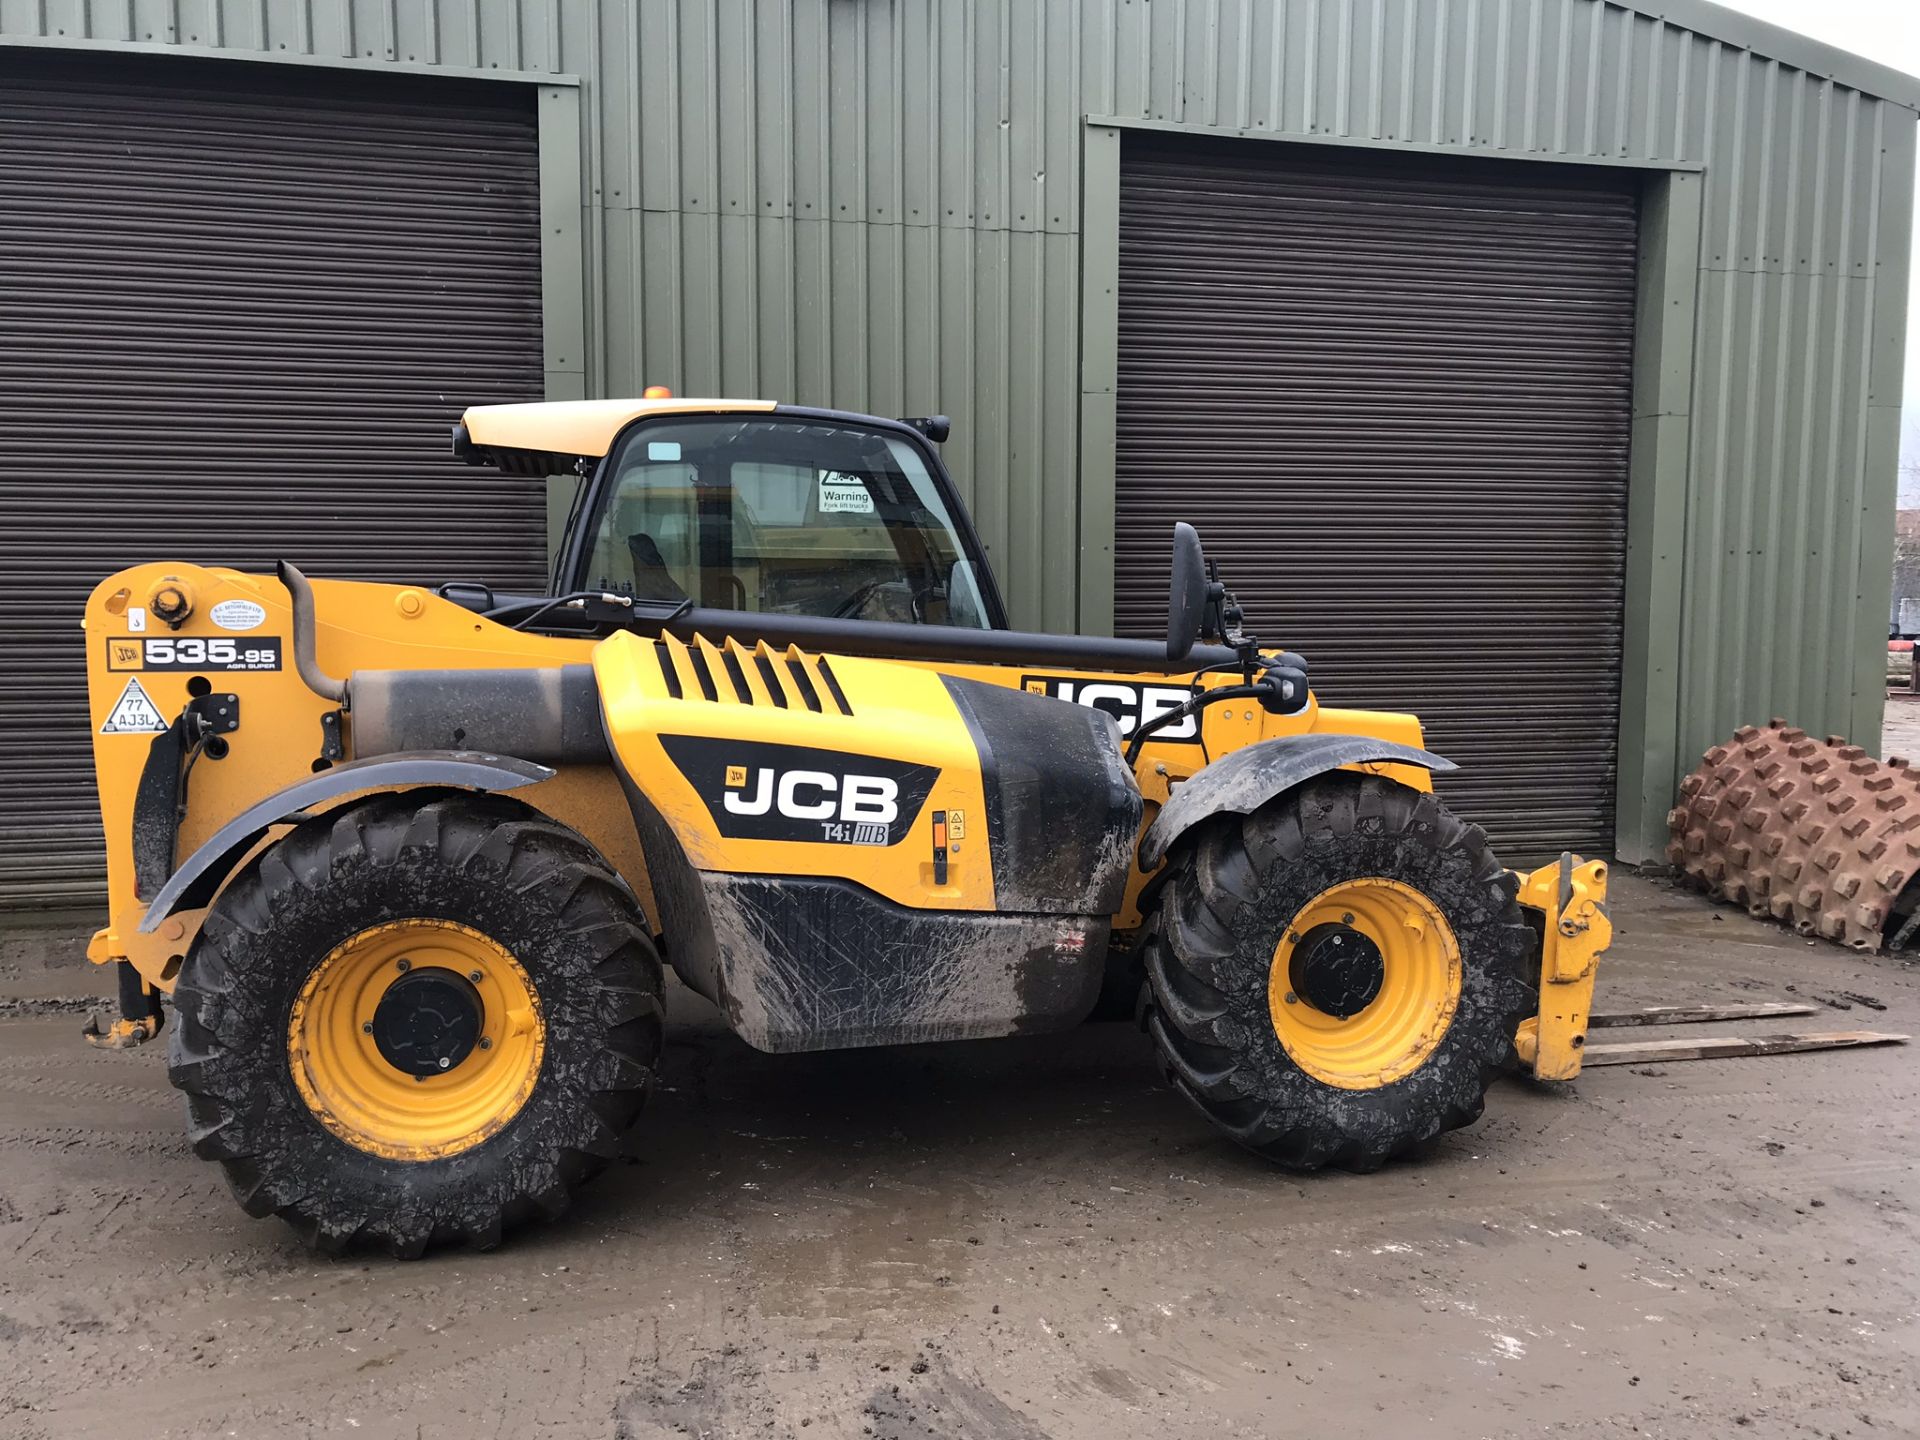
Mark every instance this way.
x=300 y=592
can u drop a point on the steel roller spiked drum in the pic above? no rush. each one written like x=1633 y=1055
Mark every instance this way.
x=1816 y=833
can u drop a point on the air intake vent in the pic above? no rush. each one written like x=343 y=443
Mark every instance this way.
x=731 y=674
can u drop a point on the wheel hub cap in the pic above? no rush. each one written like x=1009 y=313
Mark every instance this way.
x=1364 y=982
x=416 y=1039
x=428 y=1021
x=1337 y=970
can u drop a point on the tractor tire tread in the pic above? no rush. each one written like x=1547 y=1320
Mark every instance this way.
x=1235 y=882
x=228 y=1051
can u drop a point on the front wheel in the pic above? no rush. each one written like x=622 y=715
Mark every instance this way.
x=421 y=1018
x=1338 y=976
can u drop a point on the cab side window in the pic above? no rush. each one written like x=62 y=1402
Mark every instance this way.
x=648 y=547
x=780 y=517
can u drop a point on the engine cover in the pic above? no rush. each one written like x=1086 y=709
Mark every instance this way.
x=849 y=851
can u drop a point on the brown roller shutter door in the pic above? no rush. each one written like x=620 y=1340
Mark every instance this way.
x=1396 y=404
x=239 y=309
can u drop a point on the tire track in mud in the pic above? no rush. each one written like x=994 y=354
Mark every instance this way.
x=142 y=1142
x=108 y=1091
x=28 y=1007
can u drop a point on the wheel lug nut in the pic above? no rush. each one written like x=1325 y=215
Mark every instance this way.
x=1292 y=999
x=485 y=1043
x=475 y=976
x=403 y=964
x=1347 y=919
x=367 y=1028
x=444 y=1062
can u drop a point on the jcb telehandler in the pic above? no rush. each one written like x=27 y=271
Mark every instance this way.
x=409 y=859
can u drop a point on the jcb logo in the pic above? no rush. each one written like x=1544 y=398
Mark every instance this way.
x=813 y=795
x=755 y=790
x=1130 y=705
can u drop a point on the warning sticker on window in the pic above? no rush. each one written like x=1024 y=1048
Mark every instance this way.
x=134 y=713
x=844 y=494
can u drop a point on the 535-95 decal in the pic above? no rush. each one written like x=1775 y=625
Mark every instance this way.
x=193 y=652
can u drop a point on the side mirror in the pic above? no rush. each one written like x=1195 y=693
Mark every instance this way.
x=1187 y=591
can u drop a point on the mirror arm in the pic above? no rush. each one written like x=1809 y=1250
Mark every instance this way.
x=1146 y=729
x=1281 y=690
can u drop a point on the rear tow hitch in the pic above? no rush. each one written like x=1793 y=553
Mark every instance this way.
x=141 y=1018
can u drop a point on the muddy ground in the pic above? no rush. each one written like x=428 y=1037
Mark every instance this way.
x=1022 y=1239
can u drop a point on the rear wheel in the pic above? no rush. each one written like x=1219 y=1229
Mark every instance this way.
x=1338 y=976
x=418 y=1019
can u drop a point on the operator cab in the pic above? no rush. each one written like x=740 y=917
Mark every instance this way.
x=780 y=514
x=818 y=528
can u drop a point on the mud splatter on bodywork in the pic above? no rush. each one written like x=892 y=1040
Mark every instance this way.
x=808 y=964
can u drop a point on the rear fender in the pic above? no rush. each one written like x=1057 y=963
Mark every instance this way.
x=196 y=881
x=1240 y=783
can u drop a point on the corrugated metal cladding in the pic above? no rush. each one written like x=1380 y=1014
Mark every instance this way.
x=235 y=321
x=1396 y=404
x=875 y=205
x=879 y=205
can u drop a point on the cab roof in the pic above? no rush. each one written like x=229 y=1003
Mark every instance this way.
x=535 y=436
x=550 y=437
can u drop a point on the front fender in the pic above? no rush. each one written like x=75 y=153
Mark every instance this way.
x=1242 y=782
x=195 y=882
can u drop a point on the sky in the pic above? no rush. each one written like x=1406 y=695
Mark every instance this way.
x=1887 y=31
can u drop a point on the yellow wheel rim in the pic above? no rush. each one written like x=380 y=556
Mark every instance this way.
x=1419 y=985
x=358 y=1094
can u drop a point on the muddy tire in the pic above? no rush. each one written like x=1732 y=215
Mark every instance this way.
x=527 y=961
x=1372 y=927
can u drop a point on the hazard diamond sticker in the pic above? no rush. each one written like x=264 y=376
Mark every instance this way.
x=134 y=713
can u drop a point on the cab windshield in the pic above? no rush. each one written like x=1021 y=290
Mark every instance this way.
x=781 y=516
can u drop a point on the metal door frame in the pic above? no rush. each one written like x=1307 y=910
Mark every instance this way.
x=1661 y=434
x=563 y=290
x=559 y=160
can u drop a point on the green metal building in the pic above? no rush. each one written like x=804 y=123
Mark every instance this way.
x=1531 y=364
